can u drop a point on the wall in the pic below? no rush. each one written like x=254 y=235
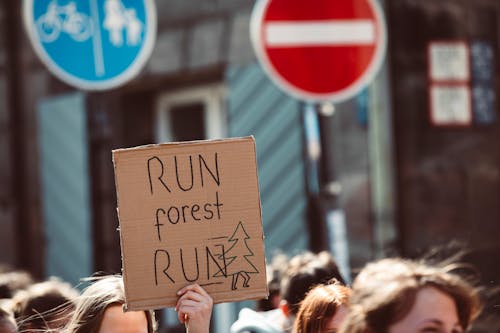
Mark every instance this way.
x=8 y=253
x=448 y=177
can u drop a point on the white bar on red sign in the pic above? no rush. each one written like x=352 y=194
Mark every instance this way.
x=310 y=33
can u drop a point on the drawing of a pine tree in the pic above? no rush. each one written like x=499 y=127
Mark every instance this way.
x=237 y=256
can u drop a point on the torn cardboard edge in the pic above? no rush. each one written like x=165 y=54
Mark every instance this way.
x=182 y=143
x=159 y=303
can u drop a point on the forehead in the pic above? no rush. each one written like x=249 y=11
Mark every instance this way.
x=430 y=300
x=117 y=321
x=430 y=304
x=6 y=326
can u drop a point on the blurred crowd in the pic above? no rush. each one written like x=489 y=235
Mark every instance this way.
x=307 y=294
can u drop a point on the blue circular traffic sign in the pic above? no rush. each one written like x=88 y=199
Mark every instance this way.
x=92 y=44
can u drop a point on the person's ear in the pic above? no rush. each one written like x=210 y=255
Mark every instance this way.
x=275 y=301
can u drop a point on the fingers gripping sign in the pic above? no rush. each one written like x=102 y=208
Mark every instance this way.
x=194 y=308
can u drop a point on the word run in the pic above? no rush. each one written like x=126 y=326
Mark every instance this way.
x=184 y=182
x=206 y=263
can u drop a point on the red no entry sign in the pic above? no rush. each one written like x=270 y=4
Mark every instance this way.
x=319 y=49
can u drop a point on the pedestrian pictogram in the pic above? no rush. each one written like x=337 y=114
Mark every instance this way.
x=321 y=49
x=94 y=44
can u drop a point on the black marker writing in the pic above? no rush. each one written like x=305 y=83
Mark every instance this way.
x=155 y=158
x=157 y=252
x=215 y=177
x=184 y=172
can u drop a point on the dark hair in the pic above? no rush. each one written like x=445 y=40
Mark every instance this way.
x=274 y=272
x=92 y=303
x=384 y=292
x=304 y=272
x=44 y=305
x=319 y=306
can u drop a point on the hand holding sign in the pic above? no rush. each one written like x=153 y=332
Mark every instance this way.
x=194 y=308
x=190 y=213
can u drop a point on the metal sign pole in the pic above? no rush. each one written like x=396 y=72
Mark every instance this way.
x=326 y=218
x=331 y=189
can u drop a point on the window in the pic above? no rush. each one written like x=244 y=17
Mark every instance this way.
x=191 y=114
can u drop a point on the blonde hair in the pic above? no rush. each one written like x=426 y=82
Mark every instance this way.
x=93 y=302
x=384 y=293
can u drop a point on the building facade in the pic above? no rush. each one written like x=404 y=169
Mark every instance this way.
x=415 y=172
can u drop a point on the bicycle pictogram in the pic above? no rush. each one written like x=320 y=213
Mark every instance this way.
x=92 y=44
x=65 y=19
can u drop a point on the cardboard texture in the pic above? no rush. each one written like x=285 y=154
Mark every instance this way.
x=190 y=213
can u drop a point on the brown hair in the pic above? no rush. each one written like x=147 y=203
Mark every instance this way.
x=319 y=306
x=304 y=271
x=384 y=292
x=274 y=272
x=93 y=302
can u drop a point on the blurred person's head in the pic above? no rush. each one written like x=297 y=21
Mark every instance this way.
x=274 y=272
x=4 y=268
x=301 y=273
x=304 y=271
x=12 y=281
x=44 y=305
x=100 y=309
x=7 y=321
x=403 y=296
x=323 y=309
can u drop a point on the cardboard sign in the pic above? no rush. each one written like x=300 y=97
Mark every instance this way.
x=190 y=213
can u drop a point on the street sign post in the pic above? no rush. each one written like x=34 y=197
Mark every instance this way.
x=93 y=44
x=319 y=50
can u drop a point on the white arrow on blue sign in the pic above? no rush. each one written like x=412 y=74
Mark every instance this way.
x=92 y=44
